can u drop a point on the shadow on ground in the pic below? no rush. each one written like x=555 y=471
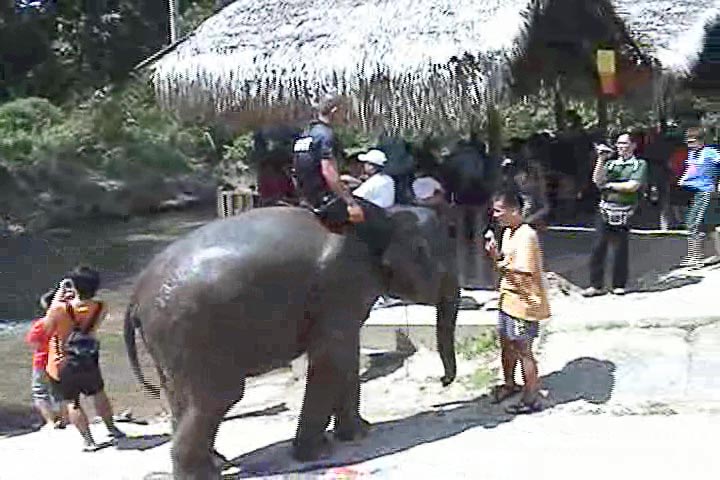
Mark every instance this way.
x=666 y=282
x=144 y=442
x=583 y=378
x=387 y=363
x=18 y=420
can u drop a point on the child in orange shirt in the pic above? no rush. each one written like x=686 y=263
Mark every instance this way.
x=42 y=396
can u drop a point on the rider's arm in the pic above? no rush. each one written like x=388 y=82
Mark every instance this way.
x=332 y=178
x=329 y=169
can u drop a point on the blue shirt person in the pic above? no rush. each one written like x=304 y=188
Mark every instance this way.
x=699 y=178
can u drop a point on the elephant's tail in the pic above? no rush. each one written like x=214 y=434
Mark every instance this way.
x=132 y=322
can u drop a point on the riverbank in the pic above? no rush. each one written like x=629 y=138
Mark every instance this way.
x=118 y=249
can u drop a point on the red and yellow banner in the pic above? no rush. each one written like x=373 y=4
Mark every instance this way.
x=606 y=65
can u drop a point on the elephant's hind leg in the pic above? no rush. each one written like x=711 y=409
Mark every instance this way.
x=193 y=453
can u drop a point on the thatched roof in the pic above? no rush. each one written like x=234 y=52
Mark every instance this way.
x=705 y=75
x=407 y=62
x=671 y=30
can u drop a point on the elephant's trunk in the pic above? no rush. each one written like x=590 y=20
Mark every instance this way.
x=447 y=310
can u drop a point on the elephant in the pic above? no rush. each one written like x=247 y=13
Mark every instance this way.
x=247 y=294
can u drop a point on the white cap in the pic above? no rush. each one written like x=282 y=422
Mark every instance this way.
x=376 y=157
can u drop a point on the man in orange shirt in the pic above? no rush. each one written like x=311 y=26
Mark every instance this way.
x=75 y=306
x=523 y=300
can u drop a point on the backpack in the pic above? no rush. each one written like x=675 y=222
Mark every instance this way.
x=400 y=166
x=82 y=349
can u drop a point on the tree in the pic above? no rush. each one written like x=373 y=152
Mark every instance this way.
x=83 y=45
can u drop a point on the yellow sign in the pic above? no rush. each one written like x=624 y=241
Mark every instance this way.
x=606 y=62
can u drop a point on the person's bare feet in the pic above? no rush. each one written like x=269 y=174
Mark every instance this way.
x=503 y=392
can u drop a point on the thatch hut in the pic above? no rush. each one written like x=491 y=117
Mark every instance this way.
x=559 y=51
x=704 y=77
x=409 y=64
x=420 y=65
x=683 y=37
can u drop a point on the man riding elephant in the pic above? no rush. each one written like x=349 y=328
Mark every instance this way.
x=315 y=162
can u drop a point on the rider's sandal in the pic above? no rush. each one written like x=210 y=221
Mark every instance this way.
x=503 y=392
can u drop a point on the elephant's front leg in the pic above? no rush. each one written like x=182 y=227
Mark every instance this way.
x=349 y=426
x=328 y=360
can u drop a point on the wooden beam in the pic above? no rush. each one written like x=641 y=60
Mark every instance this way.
x=602 y=114
x=559 y=105
x=494 y=131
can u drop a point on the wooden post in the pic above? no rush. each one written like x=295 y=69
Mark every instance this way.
x=494 y=132
x=559 y=105
x=172 y=14
x=602 y=114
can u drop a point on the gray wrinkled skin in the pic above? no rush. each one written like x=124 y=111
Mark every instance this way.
x=244 y=295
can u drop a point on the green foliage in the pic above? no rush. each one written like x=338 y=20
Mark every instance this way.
x=122 y=134
x=474 y=347
x=536 y=113
x=353 y=141
x=83 y=46
x=194 y=14
x=239 y=150
x=21 y=123
x=29 y=114
x=482 y=378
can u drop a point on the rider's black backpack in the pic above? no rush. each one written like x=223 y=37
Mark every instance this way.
x=400 y=166
x=82 y=349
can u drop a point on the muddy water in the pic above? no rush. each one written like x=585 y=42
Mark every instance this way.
x=30 y=265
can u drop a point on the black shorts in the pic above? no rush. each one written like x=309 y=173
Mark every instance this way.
x=72 y=384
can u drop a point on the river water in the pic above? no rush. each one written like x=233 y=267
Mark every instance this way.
x=30 y=265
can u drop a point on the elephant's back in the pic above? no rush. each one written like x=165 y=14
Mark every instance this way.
x=265 y=230
x=248 y=247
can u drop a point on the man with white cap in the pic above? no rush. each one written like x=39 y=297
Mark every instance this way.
x=379 y=188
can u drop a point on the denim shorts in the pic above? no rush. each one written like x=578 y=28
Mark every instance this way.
x=41 y=391
x=516 y=329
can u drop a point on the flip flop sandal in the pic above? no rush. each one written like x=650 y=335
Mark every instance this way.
x=523 y=408
x=502 y=392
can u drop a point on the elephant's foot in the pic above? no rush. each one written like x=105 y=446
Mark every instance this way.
x=309 y=450
x=352 y=430
x=447 y=380
x=204 y=471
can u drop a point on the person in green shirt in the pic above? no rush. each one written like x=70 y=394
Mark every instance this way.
x=620 y=181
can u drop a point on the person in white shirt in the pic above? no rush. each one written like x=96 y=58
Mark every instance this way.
x=428 y=191
x=379 y=188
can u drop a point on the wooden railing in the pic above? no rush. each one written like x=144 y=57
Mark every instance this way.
x=234 y=202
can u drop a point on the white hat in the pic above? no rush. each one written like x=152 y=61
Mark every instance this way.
x=376 y=157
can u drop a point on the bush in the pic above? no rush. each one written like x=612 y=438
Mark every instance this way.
x=121 y=134
x=28 y=115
